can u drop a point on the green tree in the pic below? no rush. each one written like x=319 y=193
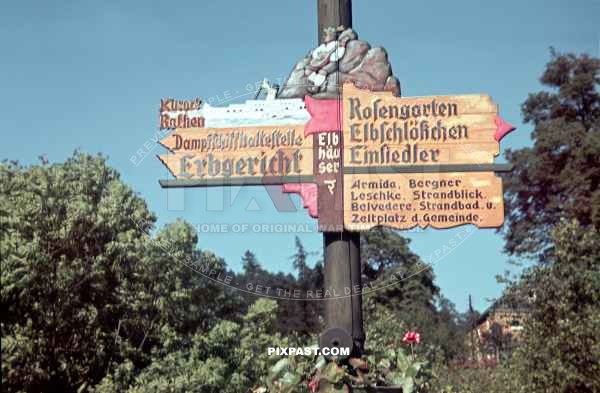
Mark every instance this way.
x=382 y=249
x=304 y=315
x=251 y=266
x=449 y=329
x=300 y=259
x=169 y=293
x=561 y=348
x=412 y=295
x=412 y=298
x=559 y=176
x=70 y=240
x=231 y=358
x=85 y=287
x=553 y=215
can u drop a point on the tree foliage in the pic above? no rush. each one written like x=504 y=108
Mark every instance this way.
x=231 y=358
x=561 y=350
x=84 y=285
x=95 y=298
x=70 y=244
x=558 y=176
x=413 y=297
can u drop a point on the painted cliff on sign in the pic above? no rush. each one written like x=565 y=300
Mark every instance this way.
x=341 y=58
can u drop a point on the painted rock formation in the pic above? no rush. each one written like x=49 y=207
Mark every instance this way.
x=341 y=58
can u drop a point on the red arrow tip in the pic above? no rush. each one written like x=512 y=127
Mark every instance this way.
x=325 y=115
x=308 y=193
x=502 y=128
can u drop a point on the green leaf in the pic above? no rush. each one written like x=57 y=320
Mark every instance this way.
x=411 y=372
x=385 y=363
x=402 y=361
x=280 y=366
x=408 y=385
x=332 y=373
x=290 y=379
x=328 y=387
x=394 y=378
x=321 y=362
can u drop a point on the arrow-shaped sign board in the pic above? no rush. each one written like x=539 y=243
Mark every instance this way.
x=222 y=154
x=383 y=130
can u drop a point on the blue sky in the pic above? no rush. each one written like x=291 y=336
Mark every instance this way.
x=89 y=75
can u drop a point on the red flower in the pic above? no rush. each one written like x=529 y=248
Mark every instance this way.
x=313 y=385
x=411 y=338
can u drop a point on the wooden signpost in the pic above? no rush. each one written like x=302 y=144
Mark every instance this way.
x=225 y=154
x=360 y=159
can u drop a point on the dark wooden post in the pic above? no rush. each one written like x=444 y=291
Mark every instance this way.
x=333 y=13
x=343 y=314
x=473 y=327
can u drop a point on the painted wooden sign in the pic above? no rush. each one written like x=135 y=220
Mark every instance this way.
x=392 y=140
x=406 y=200
x=242 y=152
x=383 y=130
x=180 y=113
x=365 y=160
x=259 y=141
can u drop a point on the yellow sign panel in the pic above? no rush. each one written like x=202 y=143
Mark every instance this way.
x=406 y=200
x=383 y=130
x=223 y=153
